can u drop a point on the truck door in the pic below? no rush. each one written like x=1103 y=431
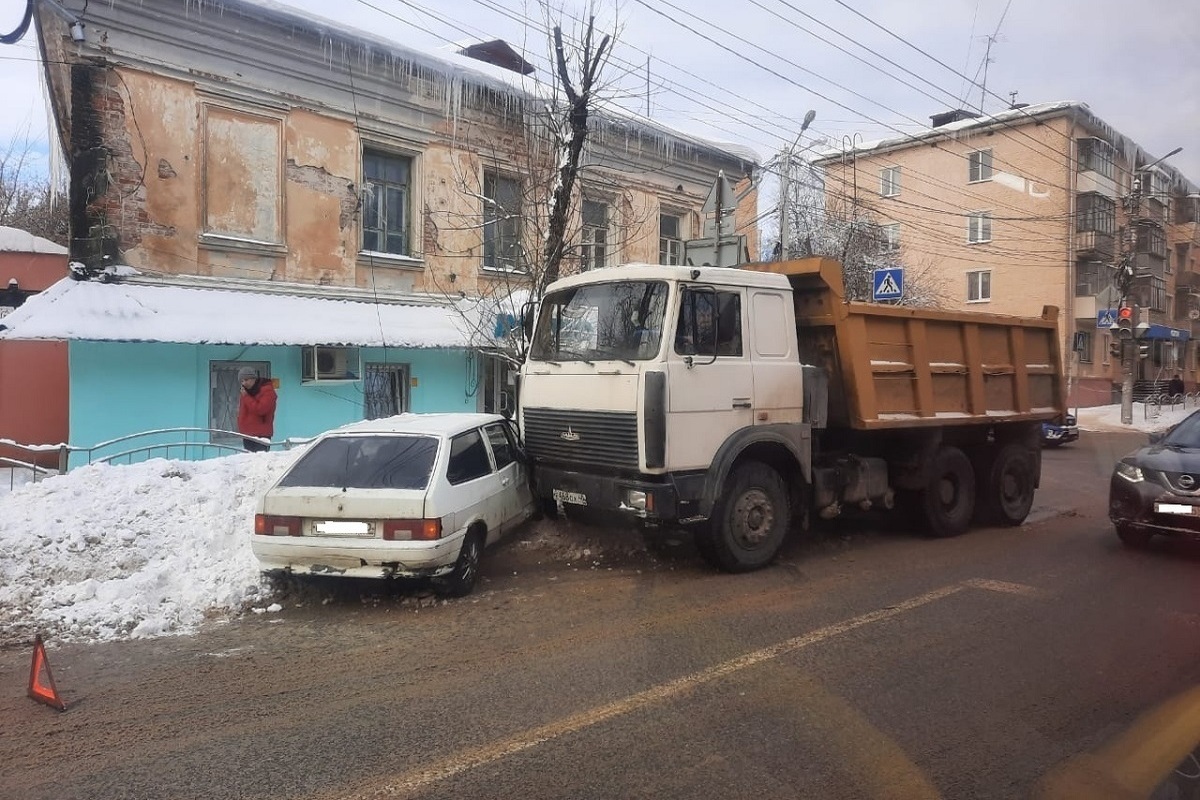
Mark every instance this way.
x=778 y=387
x=711 y=385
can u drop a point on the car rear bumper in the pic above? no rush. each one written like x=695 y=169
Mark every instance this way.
x=368 y=558
x=1133 y=505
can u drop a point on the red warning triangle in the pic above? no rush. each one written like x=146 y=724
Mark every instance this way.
x=41 y=680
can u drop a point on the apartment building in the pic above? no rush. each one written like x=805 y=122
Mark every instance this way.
x=1040 y=205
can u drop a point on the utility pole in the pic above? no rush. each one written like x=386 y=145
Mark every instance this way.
x=1125 y=275
x=785 y=189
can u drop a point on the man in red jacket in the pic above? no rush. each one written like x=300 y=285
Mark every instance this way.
x=256 y=409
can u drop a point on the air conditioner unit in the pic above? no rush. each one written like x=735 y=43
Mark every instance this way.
x=328 y=364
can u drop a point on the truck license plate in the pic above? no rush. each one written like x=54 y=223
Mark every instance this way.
x=1174 y=508
x=574 y=498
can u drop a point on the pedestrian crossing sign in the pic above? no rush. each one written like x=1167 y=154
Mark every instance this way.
x=888 y=284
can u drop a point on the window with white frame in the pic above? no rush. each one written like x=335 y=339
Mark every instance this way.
x=670 y=242
x=387 y=185
x=979 y=226
x=502 y=222
x=979 y=166
x=979 y=286
x=594 y=251
x=889 y=181
x=889 y=238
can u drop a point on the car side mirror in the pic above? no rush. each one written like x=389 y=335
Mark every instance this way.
x=1156 y=437
x=528 y=312
x=506 y=405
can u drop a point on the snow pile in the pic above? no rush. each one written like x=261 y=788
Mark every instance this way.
x=1108 y=418
x=111 y=552
x=15 y=240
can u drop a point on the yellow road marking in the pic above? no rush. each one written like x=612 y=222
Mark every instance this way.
x=1005 y=587
x=462 y=762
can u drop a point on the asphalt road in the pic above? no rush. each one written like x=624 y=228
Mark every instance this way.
x=867 y=663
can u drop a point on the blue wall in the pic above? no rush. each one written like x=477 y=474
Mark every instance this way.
x=119 y=388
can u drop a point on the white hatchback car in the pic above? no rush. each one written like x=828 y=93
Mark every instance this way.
x=416 y=495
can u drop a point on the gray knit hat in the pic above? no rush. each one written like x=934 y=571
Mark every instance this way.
x=247 y=372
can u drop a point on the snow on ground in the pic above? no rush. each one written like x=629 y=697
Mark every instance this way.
x=112 y=552
x=1108 y=418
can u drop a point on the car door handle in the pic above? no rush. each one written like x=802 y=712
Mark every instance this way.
x=741 y=402
x=504 y=481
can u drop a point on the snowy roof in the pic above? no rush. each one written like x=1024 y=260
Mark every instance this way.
x=15 y=240
x=125 y=311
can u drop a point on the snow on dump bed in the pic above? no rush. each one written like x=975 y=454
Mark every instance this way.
x=114 y=552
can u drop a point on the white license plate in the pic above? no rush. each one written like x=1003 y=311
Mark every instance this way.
x=1173 y=508
x=574 y=498
x=341 y=527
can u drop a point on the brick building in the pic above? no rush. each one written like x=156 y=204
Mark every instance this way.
x=1034 y=206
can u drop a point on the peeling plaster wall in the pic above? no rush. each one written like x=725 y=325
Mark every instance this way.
x=226 y=145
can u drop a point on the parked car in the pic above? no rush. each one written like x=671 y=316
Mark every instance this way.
x=1156 y=489
x=416 y=495
x=1055 y=434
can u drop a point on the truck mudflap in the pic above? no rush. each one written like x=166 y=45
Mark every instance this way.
x=648 y=500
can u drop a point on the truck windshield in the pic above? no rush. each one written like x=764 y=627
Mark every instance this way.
x=599 y=321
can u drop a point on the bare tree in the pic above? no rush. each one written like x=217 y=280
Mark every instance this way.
x=826 y=224
x=519 y=179
x=27 y=198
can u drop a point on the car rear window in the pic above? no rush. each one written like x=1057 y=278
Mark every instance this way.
x=366 y=462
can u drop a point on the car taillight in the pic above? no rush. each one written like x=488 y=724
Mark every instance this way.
x=403 y=530
x=272 y=525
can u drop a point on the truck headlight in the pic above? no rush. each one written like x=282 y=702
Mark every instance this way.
x=1130 y=472
x=635 y=499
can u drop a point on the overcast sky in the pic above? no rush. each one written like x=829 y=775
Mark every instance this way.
x=748 y=70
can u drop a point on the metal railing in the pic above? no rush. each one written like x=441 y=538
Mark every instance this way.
x=1152 y=406
x=186 y=444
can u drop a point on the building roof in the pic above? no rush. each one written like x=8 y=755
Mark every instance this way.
x=15 y=240
x=195 y=312
x=1130 y=150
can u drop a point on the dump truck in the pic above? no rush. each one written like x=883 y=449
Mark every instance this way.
x=744 y=402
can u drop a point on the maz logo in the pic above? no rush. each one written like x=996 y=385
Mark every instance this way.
x=569 y=435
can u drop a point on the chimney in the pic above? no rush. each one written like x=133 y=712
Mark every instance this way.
x=954 y=115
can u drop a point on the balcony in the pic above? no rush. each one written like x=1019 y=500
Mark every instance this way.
x=1146 y=265
x=1151 y=209
x=1094 y=244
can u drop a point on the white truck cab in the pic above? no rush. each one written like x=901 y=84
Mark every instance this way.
x=641 y=378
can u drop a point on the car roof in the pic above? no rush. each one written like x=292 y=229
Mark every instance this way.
x=448 y=424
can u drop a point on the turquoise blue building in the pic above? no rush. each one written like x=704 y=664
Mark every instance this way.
x=157 y=356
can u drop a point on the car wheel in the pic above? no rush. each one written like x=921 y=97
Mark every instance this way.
x=461 y=579
x=1008 y=486
x=948 y=501
x=1136 y=538
x=751 y=519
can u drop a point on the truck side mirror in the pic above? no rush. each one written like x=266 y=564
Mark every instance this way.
x=528 y=313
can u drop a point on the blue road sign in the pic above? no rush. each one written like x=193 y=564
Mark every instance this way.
x=888 y=284
x=1106 y=318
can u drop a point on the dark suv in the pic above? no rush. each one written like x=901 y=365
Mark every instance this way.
x=1156 y=489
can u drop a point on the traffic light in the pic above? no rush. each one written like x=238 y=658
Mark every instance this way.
x=1144 y=350
x=1125 y=322
x=1114 y=349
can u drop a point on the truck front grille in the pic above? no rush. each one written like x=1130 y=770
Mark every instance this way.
x=607 y=438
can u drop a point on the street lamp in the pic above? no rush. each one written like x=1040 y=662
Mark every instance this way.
x=785 y=187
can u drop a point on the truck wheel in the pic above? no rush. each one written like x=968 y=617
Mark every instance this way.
x=1008 y=486
x=948 y=501
x=752 y=516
